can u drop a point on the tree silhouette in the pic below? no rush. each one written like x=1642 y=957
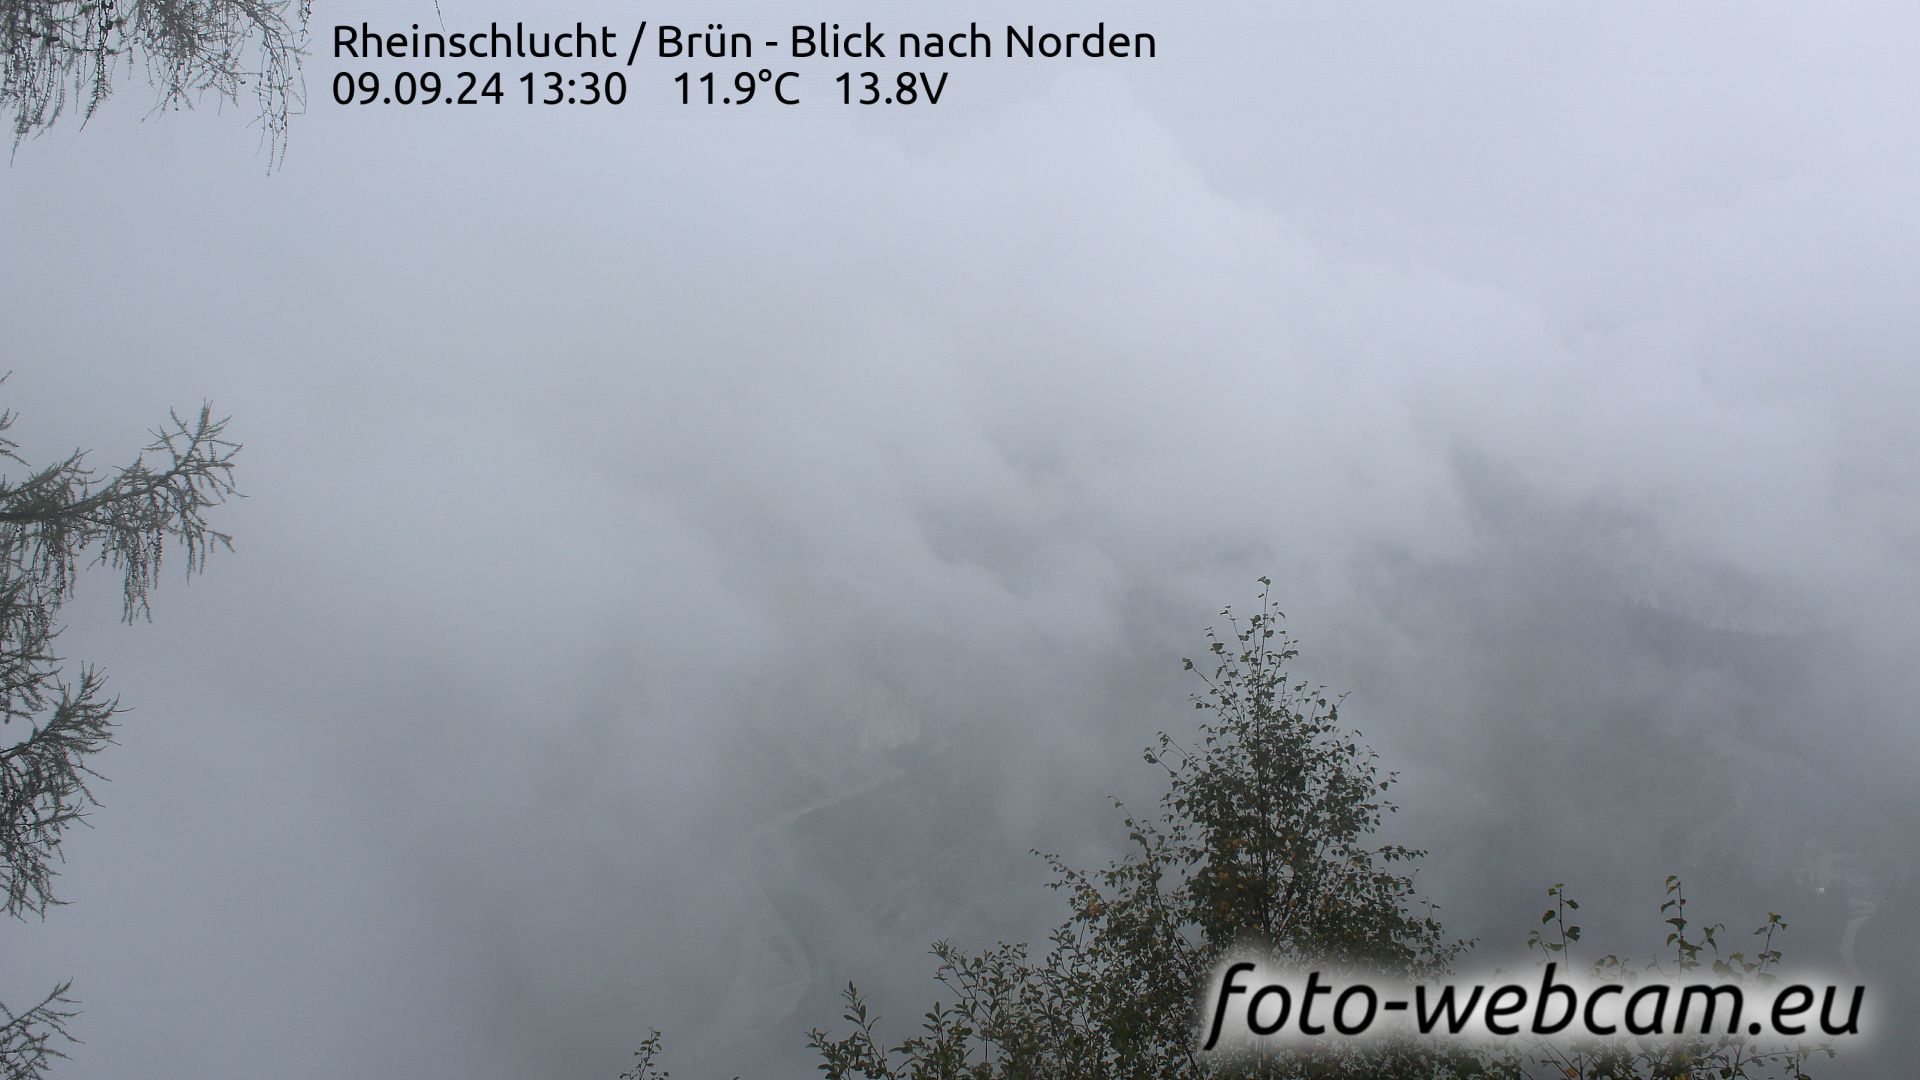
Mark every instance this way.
x=65 y=56
x=55 y=522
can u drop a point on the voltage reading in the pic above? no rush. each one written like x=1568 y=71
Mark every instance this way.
x=909 y=87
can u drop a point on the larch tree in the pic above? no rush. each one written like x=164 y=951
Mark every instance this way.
x=64 y=57
x=55 y=718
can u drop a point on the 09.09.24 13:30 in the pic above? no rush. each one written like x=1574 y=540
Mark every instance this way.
x=470 y=88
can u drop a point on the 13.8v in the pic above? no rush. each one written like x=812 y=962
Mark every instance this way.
x=909 y=88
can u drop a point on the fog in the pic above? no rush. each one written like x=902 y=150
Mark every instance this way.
x=691 y=556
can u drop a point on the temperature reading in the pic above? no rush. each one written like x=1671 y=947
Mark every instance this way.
x=740 y=90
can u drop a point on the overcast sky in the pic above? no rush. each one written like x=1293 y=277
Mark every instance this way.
x=692 y=555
